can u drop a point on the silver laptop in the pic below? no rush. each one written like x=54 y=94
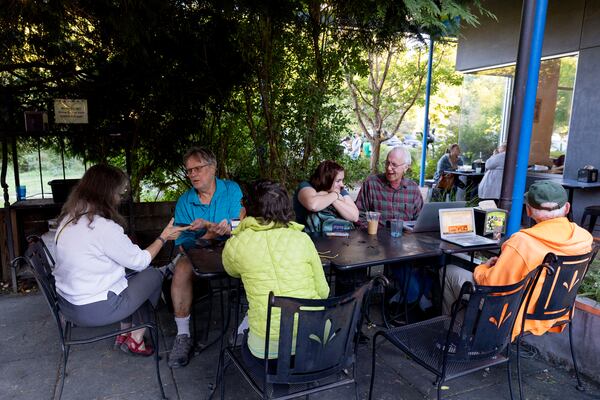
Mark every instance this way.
x=428 y=219
x=457 y=226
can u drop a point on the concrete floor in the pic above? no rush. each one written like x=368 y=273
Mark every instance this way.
x=30 y=360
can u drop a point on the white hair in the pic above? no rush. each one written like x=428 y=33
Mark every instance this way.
x=540 y=215
x=405 y=154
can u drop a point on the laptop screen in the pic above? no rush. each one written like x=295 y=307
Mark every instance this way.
x=458 y=221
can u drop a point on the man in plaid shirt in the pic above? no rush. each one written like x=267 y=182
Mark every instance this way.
x=394 y=196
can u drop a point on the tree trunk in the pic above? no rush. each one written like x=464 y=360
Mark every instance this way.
x=376 y=148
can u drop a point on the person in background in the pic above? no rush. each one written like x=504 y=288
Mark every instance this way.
x=450 y=161
x=269 y=252
x=366 y=148
x=558 y=165
x=208 y=208
x=546 y=203
x=491 y=184
x=390 y=193
x=324 y=191
x=93 y=253
x=346 y=144
x=356 y=146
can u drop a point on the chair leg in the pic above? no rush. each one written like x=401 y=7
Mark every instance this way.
x=154 y=336
x=439 y=389
x=209 y=318
x=221 y=374
x=63 y=374
x=509 y=372
x=593 y=219
x=519 y=368
x=373 y=365
x=579 y=386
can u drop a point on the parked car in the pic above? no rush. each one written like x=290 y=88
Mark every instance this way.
x=393 y=142
x=411 y=140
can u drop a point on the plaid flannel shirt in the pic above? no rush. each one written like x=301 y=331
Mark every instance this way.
x=376 y=194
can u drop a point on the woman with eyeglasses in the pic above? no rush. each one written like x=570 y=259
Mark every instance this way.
x=93 y=254
x=324 y=197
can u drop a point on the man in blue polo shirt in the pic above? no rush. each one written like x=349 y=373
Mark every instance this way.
x=209 y=206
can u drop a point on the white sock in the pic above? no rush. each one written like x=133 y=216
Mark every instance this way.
x=183 y=325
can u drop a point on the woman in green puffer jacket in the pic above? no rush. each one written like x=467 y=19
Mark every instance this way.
x=270 y=252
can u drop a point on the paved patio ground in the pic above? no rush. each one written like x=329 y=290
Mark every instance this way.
x=30 y=359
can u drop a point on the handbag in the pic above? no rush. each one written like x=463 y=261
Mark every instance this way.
x=327 y=220
x=446 y=182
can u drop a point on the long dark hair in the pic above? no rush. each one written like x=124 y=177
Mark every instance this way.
x=268 y=201
x=324 y=175
x=97 y=193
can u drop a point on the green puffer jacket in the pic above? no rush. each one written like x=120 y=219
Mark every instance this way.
x=272 y=258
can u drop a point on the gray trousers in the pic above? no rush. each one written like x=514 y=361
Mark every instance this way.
x=455 y=278
x=128 y=306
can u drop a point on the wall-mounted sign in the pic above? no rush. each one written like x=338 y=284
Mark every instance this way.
x=70 y=111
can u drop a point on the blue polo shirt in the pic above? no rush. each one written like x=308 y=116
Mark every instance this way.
x=225 y=204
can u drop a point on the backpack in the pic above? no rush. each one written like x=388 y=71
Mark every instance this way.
x=327 y=220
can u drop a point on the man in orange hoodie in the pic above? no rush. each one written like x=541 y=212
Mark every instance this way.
x=546 y=203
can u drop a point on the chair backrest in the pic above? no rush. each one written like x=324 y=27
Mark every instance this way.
x=37 y=258
x=489 y=318
x=563 y=276
x=317 y=338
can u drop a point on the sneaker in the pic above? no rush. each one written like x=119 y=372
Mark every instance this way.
x=180 y=354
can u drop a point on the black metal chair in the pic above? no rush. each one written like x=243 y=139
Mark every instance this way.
x=323 y=349
x=593 y=212
x=564 y=275
x=37 y=258
x=471 y=339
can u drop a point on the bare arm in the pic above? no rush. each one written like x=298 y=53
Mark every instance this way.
x=315 y=201
x=346 y=208
x=170 y=232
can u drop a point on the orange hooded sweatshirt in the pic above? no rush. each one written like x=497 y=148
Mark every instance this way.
x=524 y=251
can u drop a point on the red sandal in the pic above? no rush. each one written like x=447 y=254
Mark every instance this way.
x=133 y=347
x=119 y=340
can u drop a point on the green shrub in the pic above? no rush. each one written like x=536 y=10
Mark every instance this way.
x=591 y=283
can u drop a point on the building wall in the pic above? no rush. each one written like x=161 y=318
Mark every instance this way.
x=571 y=26
x=495 y=42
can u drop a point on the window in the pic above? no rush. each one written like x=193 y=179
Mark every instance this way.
x=485 y=110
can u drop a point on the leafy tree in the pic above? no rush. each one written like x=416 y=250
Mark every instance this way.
x=258 y=82
x=394 y=84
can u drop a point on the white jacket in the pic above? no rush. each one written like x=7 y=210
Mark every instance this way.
x=491 y=184
x=91 y=259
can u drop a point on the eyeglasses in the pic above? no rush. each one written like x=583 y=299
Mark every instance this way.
x=392 y=165
x=195 y=170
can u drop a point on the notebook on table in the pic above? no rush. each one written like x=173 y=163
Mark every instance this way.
x=457 y=226
x=428 y=219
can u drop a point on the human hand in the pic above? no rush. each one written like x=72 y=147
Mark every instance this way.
x=198 y=224
x=171 y=232
x=220 y=229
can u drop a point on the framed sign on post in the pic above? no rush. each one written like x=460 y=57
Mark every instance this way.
x=70 y=111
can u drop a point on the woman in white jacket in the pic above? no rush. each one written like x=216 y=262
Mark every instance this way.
x=92 y=254
x=491 y=184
